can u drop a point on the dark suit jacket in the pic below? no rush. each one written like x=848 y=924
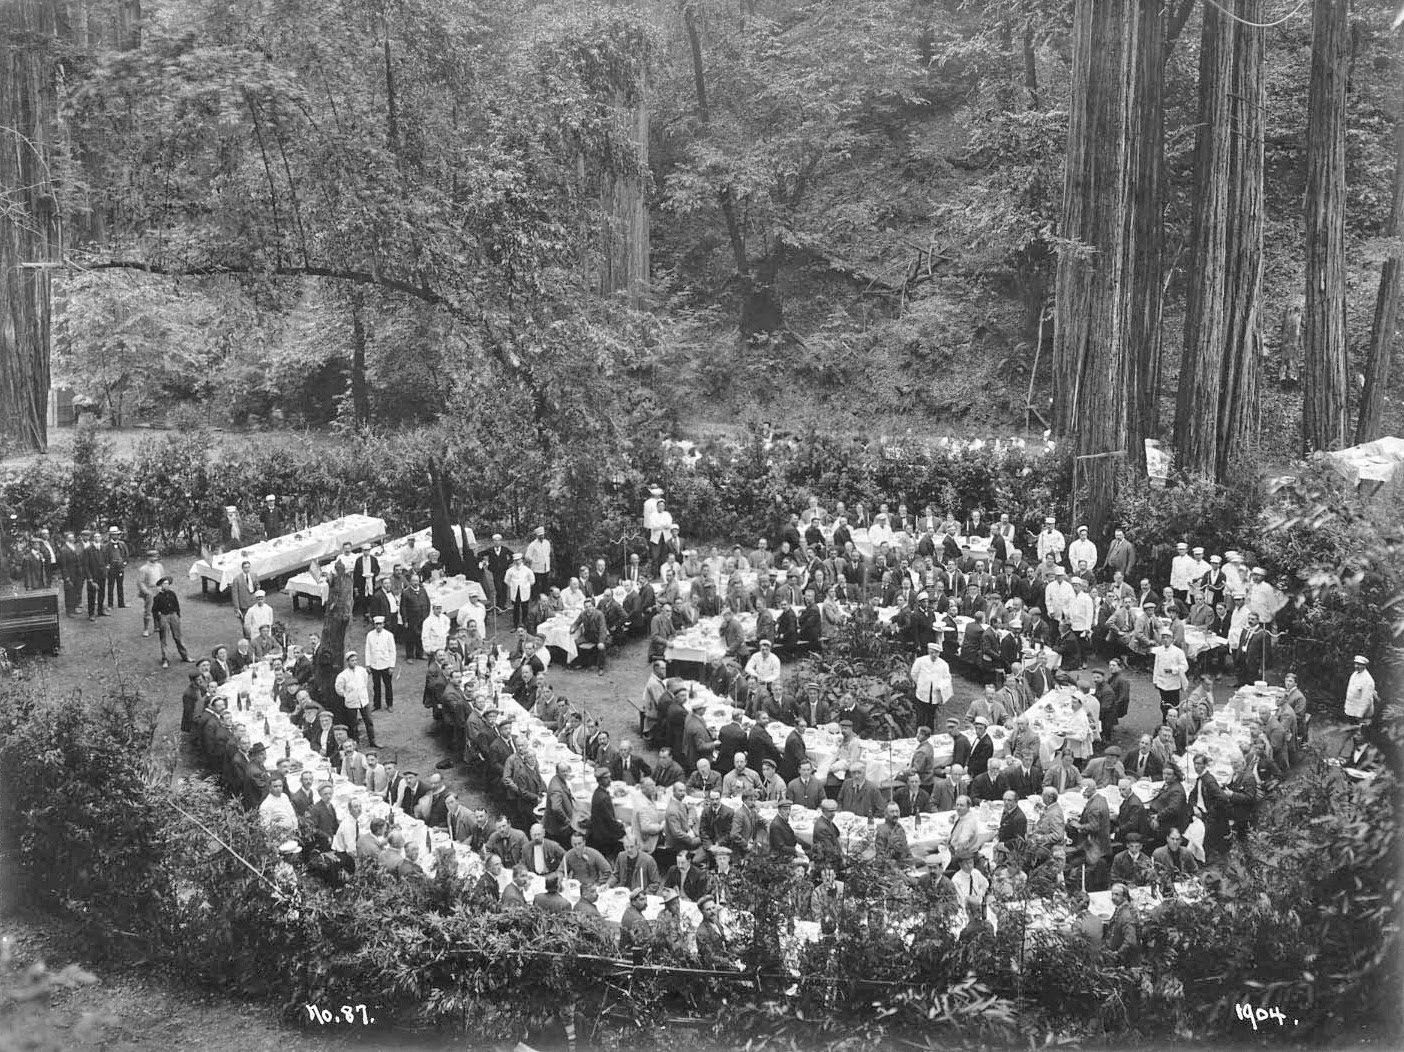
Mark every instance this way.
x=810 y=796
x=793 y=755
x=323 y=819
x=980 y=754
x=1131 y=818
x=606 y=832
x=782 y=836
x=1013 y=826
x=961 y=750
x=827 y=846
x=731 y=739
x=1151 y=769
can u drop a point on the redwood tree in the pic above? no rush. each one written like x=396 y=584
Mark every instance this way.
x=1386 y=321
x=29 y=216
x=1108 y=286
x=1324 y=374
x=1219 y=366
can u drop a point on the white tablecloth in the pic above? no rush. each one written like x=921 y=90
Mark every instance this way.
x=702 y=643
x=557 y=633
x=1198 y=640
x=284 y=554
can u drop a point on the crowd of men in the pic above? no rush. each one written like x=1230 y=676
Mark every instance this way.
x=802 y=585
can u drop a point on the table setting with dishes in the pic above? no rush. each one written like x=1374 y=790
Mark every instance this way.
x=282 y=555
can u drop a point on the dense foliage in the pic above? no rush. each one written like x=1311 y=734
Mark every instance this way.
x=177 y=872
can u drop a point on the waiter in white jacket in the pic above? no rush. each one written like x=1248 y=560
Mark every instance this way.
x=932 y=676
x=1360 y=691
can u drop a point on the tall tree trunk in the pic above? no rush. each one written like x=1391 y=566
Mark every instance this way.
x=1107 y=332
x=626 y=207
x=1324 y=364
x=330 y=656
x=441 y=523
x=760 y=306
x=1386 y=323
x=360 y=391
x=1219 y=364
x=30 y=233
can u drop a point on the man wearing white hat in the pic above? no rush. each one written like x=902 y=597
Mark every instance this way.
x=1051 y=541
x=519 y=583
x=380 y=660
x=1360 y=691
x=1262 y=597
x=1235 y=577
x=1082 y=550
x=272 y=517
x=932 y=676
x=1182 y=572
x=353 y=688
x=259 y=615
x=658 y=521
x=538 y=558
x=1057 y=596
x=433 y=635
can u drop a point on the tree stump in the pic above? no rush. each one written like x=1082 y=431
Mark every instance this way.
x=330 y=657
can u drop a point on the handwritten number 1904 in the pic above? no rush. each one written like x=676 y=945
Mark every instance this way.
x=345 y=1014
x=1248 y=1014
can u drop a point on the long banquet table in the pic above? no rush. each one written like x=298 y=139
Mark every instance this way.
x=282 y=555
x=391 y=554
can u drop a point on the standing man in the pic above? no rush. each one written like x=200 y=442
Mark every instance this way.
x=414 y=611
x=149 y=575
x=1121 y=555
x=1051 y=541
x=365 y=571
x=272 y=517
x=497 y=561
x=932 y=676
x=1169 y=672
x=380 y=660
x=115 y=555
x=49 y=556
x=1083 y=550
x=95 y=573
x=519 y=584
x=538 y=560
x=243 y=590
x=1182 y=572
x=70 y=565
x=1360 y=691
x=353 y=687
x=165 y=608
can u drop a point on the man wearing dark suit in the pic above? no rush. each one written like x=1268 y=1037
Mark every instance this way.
x=94 y=569
x=731 y=739
x=1094 y=846
x=794 y=754
x=981 y=750
x=828 y=848
x=322 y=815
x=1131 y=817
x=815 y=710
x=1013 y=825
x=982 y=786
x=1208 y=801
x=303 y=797
x=805 y=789
x=760 y=746
x=1022 y=777
x=1143 y=764
x=506 y=843
x=910 y=798
x=364 y=574
x=272 y=517
x=406 y=792
x=783 y=842
x=606 y=833
x=499 y=560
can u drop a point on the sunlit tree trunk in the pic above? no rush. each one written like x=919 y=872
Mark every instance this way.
x=1219 y=365
x=625 y=207
x=30 y=234
x=1324 y=367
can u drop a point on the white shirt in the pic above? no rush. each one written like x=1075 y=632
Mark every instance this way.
x=434 y=635
x=765 y=667
x=1182 y=572
x=1083 y=550
x=278 y=814
x=879 y=533
x=1056 y=598
x=932 y=676
x=1233 y=579
x=380 y=649
x=572 y=601
x=1262 y=600
x=972 y=885
x=1359 y=693
x=1238 y=623
x=346 y=836
x=353 y=684
x=1051 y=540
x=256 y=616
x=538 y=555
x=519 y=580
x=1080 y=612
x=1170 y=667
